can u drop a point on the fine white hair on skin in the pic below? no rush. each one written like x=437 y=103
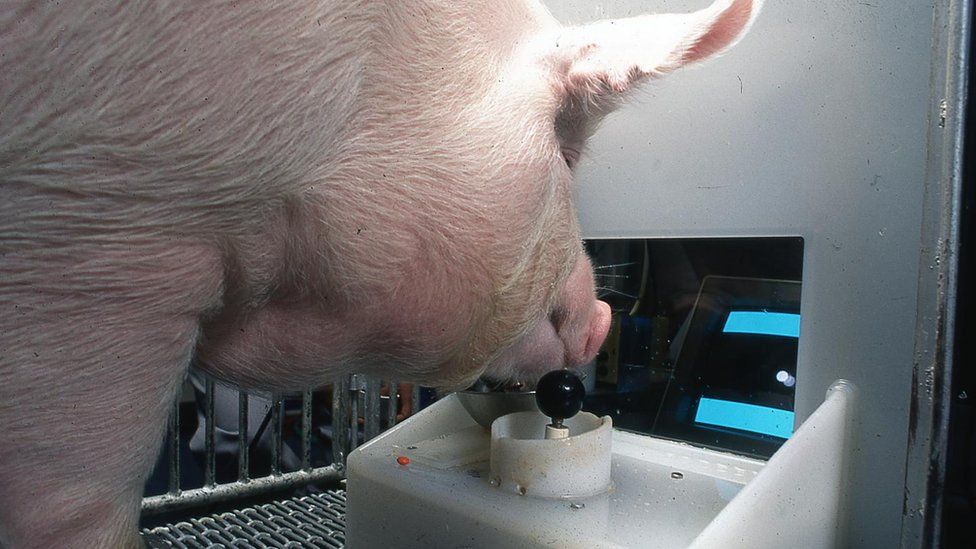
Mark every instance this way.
x=289 y=191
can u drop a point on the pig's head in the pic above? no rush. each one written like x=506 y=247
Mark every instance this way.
x=571 y=78
x=442 y=243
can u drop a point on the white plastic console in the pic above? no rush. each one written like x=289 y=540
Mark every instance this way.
x=661 y=494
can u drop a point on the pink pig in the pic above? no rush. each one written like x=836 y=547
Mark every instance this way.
x=292 y=191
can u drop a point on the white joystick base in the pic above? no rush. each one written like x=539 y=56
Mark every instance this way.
x=531 y=458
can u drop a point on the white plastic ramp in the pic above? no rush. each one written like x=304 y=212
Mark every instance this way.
x=798 y=498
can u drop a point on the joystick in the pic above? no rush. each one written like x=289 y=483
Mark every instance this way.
x=534 y=454
x=559 y=395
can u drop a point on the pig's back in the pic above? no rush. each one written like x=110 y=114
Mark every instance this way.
x=157 y=116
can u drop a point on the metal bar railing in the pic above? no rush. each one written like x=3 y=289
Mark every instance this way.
x=306 y=430
x=340 y=420
x=155 y=505
x=415 y=398
x=243 y=450
x=353 y=397
x=393 y=405
x=173 y=447
x=276 y=424
x=354 y=387
x=372 y=409
x=210 y=467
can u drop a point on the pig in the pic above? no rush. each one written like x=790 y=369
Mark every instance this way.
x=288 y=191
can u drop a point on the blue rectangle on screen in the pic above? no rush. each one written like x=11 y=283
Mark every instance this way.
x=745 y=417
x=763 y=323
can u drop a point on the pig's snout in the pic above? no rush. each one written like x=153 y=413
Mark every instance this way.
x=599 y=326
x=583 y=336
x=570 y=335
x=580 y=320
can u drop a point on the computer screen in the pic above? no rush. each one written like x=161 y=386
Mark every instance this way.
x=704 y=341
x=735 y=377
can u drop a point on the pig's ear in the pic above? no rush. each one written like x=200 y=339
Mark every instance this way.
x=596 y=63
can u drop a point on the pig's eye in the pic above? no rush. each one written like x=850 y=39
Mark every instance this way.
x=570 y=156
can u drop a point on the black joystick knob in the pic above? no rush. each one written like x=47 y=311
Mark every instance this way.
x=559 y=395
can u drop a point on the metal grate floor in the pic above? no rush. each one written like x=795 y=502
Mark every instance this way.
x=318 y=520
